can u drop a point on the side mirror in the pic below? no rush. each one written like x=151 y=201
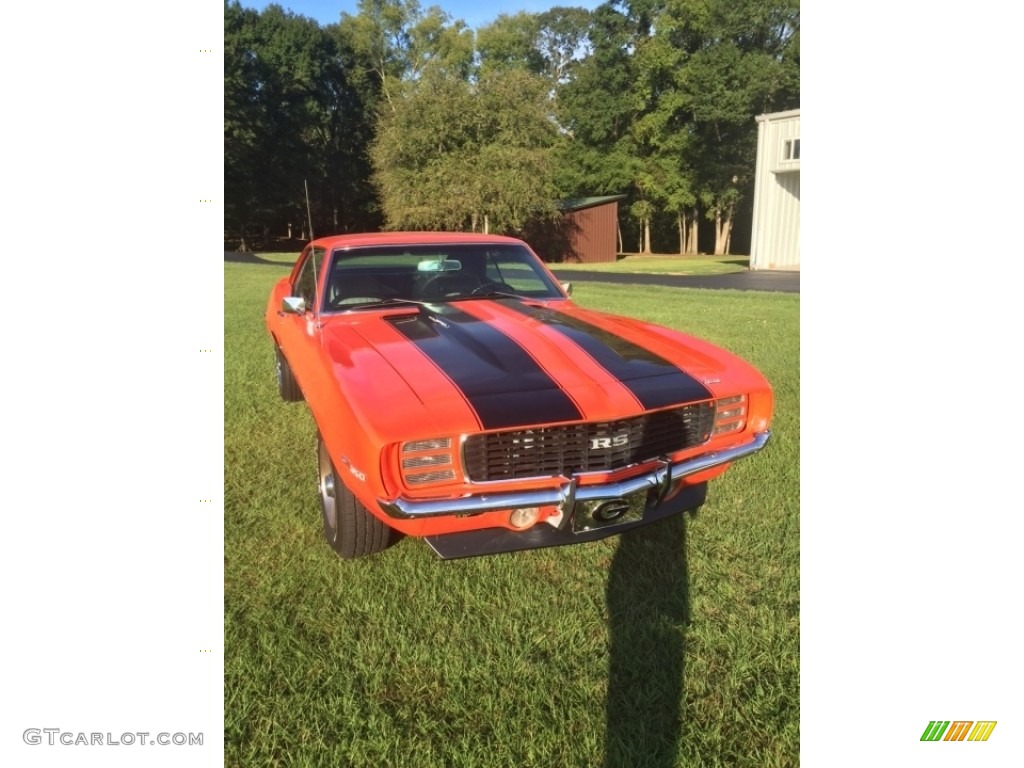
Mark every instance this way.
x=567 y=287
x=293 y=305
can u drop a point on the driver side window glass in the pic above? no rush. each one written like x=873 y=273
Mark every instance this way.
x=305 y=286
x=510 y=268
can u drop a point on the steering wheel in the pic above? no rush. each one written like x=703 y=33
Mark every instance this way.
x=443 y=284
x=492 y=285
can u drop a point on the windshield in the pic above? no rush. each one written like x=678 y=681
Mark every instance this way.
x=363 y=277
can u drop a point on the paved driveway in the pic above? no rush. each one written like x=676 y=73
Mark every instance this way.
x=751 y=280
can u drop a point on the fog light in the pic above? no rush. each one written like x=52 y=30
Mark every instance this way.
x=524 y=518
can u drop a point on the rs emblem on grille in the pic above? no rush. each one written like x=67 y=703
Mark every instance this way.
x=618 y=441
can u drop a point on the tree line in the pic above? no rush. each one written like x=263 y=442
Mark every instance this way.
x=402 y=117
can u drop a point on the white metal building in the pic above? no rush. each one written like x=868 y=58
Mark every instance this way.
x=775 y=237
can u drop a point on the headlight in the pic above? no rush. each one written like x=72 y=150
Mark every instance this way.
x=730 y=415
x=427 y=461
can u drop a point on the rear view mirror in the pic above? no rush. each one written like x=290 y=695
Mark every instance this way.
x=567 y=287
x=439 y=265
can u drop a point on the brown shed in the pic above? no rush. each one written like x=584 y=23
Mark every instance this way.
x=591 y=226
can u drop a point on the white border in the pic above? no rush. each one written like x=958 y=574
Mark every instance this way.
x=112 y=414
x=911 y=564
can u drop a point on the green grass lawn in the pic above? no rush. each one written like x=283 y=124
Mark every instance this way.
x=664 y=265
x=675 y=645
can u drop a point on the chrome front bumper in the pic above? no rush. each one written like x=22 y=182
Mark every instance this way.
x=570 y=492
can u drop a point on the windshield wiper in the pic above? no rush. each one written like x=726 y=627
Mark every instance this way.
x=489 y=295
x=379 y=303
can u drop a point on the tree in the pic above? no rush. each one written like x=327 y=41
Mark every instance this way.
x=509 y=42
x=740 y=59
x=453 y=148
x=663 y=106
x=274 y=70
x=243 y=119
x=392 y=114
x=451 y=154
x=399 y=42
x=563 y=39
x=291 y=118
x=595 y=113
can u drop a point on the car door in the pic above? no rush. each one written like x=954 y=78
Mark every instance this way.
x=299 y=333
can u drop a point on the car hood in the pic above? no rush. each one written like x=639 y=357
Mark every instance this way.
x=515 y=362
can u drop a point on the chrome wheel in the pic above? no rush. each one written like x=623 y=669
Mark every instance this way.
x=349 y=527
x=328 y=492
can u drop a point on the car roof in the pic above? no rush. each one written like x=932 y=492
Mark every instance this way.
x=409 y=238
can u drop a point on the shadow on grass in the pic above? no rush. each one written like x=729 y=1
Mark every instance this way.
x=648 y=607
x=242 y=257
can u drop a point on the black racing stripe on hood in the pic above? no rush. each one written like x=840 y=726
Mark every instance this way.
x=502 y=383
x=653 y=380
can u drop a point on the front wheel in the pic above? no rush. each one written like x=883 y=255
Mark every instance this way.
x=287 y=386
x=349 y=527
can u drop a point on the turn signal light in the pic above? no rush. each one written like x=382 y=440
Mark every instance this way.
x=730 y=415
x=427 y=461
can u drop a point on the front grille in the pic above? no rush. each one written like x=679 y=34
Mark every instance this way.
x=593 y=447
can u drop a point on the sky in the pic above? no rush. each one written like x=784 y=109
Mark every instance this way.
x=475 y=14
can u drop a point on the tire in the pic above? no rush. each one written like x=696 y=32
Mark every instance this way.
x=349 y=527
x=286 y=383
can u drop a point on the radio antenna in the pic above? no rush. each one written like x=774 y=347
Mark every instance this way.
x=309 y=212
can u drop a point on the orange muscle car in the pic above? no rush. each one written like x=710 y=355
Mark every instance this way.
x=462 y=397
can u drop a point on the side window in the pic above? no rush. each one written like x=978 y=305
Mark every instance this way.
x=309 y=276
x=510 y=268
